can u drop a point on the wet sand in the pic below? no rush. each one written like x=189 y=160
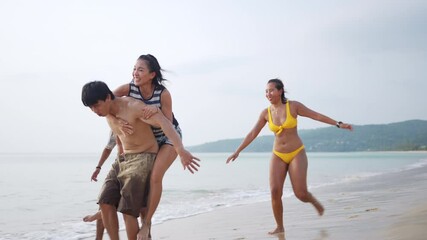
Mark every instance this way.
x=389 y=206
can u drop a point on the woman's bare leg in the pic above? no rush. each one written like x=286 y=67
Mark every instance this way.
x=164 y=160
x=132 y=226
x=278 y=171
x=298 y=174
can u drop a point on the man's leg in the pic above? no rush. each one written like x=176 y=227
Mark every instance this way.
x=93 y=217
x=134 y=176
x=110 y=220
x=99 y=225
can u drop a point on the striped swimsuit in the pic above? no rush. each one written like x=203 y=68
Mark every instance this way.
x=134 y=92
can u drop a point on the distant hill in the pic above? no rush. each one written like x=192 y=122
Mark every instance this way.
x=401 y=136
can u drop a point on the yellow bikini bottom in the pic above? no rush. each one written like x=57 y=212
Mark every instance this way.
x=288 y=157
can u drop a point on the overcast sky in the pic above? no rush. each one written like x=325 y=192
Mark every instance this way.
x=362 y=62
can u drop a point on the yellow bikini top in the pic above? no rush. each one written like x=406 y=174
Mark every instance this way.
x=290 y=121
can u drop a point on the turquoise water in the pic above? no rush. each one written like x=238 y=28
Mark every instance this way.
x=45 y=196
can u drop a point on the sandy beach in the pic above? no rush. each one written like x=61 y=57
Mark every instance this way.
x=389 y=206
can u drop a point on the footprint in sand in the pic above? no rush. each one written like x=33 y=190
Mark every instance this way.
x=354 y=216
x=371 y=210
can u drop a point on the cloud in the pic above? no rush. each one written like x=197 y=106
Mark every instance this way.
x=357 y=61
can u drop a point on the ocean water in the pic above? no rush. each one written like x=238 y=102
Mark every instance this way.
x=45 y=196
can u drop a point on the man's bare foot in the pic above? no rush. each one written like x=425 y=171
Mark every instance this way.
x=277 y=230
x=91 y=218
x=144 y=232
x=318 y=207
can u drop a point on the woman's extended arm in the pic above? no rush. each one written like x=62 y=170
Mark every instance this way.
x=250 y=136
x=307 y=112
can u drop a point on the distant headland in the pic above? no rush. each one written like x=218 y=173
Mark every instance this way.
x=409 y=135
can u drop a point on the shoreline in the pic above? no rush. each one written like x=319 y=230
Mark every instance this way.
x=387 y=206
x=381 y=207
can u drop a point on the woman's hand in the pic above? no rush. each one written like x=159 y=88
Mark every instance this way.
x=149 y=111
x=232 y=157
x=189 y=161
x=125 y=127
x=346 y=126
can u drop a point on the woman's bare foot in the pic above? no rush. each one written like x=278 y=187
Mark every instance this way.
x=144 y=232
x=318 y=207
x=277 y=230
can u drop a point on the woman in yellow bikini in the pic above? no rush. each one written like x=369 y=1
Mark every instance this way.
x=288 y=150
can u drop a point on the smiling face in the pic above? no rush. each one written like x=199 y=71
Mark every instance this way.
x=272 y=93
x=142 y=74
